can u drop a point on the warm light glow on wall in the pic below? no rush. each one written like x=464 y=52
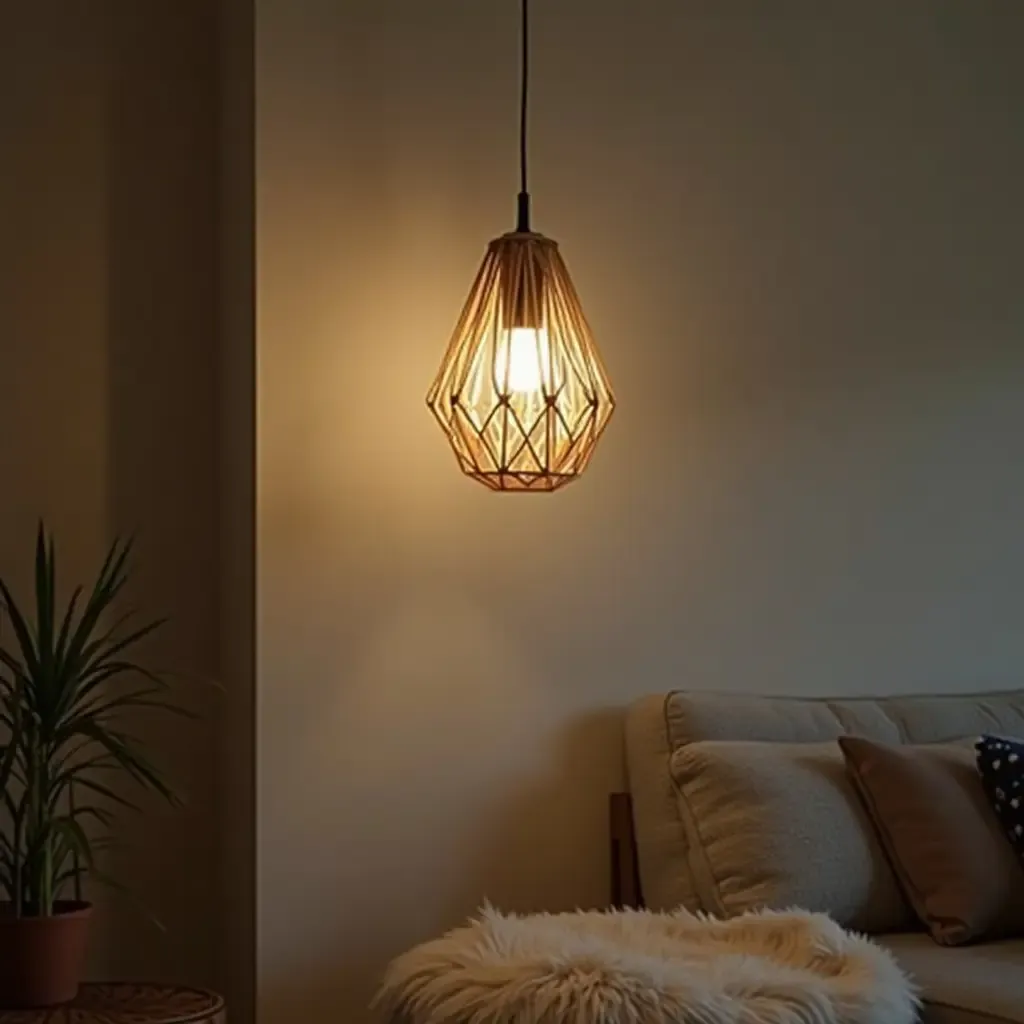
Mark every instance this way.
x=522 y=394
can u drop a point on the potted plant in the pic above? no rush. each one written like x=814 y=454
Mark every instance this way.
x=67 y=679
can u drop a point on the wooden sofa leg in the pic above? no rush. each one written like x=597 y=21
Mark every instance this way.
x=625 y=874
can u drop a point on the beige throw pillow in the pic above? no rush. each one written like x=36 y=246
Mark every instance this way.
x=930 y=809
x=780 y=825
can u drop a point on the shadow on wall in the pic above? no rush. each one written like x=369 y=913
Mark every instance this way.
x=528 y=843
x=530 y=839
x=161 y=227
x=107 y=385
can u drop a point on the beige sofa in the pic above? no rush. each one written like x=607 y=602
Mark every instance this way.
x=974 y=984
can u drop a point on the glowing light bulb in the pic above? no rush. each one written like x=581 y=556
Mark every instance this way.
x=523 y=360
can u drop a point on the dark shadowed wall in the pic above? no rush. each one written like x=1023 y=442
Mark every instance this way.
x=236 y=739
x=108 y=389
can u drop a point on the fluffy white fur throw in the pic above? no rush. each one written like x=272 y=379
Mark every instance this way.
x=636 y=967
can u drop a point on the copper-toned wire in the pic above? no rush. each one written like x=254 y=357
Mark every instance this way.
x=522 y=393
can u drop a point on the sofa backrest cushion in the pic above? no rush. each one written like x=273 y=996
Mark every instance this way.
x=660 y=725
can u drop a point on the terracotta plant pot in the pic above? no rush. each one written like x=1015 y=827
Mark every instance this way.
x=42 y=959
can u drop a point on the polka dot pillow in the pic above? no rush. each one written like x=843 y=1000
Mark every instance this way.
x=1001 y=763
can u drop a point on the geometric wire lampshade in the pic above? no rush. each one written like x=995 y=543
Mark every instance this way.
x=522 y=394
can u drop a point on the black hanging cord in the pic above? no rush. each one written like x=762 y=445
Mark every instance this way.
x=523 y=219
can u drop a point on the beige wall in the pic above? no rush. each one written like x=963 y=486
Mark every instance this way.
x=796 y=229
x=108 y=377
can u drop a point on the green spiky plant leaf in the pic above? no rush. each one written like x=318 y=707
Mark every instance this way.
x=67 y=679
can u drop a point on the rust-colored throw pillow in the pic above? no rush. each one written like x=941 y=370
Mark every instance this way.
x=929 y=807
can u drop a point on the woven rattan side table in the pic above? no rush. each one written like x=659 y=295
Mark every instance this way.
x=128 y=1003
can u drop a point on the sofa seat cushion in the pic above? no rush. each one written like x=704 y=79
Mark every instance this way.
x=981 y=984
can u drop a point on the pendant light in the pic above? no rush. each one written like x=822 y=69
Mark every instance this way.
x=522 y=395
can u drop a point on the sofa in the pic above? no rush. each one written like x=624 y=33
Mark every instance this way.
x=831 y=857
